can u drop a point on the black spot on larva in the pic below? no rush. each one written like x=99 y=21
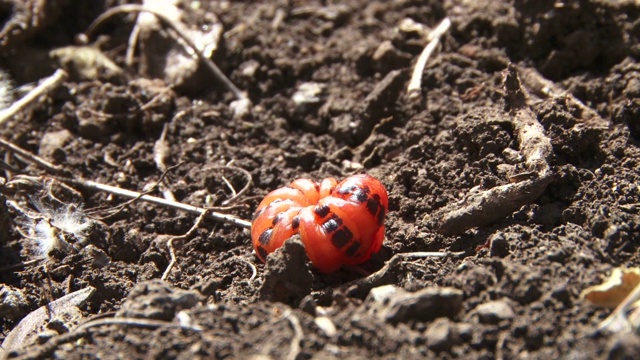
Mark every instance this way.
x=317 y=186
x=265 y=237
x=332 y=224
x=295 y=222
x=262 y=252
x=360 y=195
x=351 y=251
x=381 y=215
x=373 y=205
x=321 y=211
x=257 y=214
x=346 y=189
x=276 y=219
x=341 y=237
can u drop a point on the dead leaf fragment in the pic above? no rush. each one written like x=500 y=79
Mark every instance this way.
x=615 y=289
x=31 y=325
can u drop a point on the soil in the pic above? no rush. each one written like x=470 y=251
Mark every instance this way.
x=513 y=293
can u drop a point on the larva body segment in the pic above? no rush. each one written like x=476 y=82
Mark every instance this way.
x=339 y=223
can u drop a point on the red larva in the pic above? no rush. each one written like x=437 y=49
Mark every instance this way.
x=339 y=223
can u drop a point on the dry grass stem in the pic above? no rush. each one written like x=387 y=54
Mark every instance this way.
x=22 y=264
x=415 y=84
x=187 y=235
x=92 y=185
x=45 y=86
x=132 y=8
x=29 y=157
x=545 y=88
x=294 y=351
x=235 y=195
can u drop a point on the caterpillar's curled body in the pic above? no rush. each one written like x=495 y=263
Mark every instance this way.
x=339 y=223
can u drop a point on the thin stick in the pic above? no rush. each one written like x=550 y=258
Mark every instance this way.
x=45 y=86
x=381 y=277
x=187 y=235
x=46 y=350
x=415 y=84
x=294 y=351
x=121 y=207
x=546 y=88
x=240 y=95
x=54 y=169
x=244 y=189
x=135 y=322
x=254 y=270
x=233 y=191
x=92 y=185
x=487 y=206
x=22 y=264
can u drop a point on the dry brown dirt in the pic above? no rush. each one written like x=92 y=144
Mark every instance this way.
x=516 y=297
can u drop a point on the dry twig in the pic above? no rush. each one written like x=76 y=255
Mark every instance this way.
x=415 y=84
x=236 y=194
x=22 y=264
x=383 y=276
x=160 y=154
x=496 y=203
x=92 y=185
x=545 y=88
x=132 y=8
x=26 y=155
x=294 y=351
x=47 y=85
x=187 y=235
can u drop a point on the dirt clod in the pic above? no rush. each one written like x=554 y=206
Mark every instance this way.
x=157 y=300
x=288 y=279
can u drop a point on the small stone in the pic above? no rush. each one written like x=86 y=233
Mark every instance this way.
x=424 y=305
x=499 y=246
x=382 y=294
x=387 y=58
x=93 y=128
x=512 y=156
x=308 y=93
x=13 y=303
x=442 y=335
x=52 y=145
x=494 y=312
x=95 y=256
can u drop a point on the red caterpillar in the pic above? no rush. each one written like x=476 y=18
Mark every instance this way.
x=339 y=223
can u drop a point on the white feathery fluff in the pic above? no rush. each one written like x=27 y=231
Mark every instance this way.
x=53 y=228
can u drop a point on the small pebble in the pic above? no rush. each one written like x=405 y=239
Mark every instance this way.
x=494 y=312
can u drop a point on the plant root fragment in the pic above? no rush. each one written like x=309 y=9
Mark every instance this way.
x=492 y=205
